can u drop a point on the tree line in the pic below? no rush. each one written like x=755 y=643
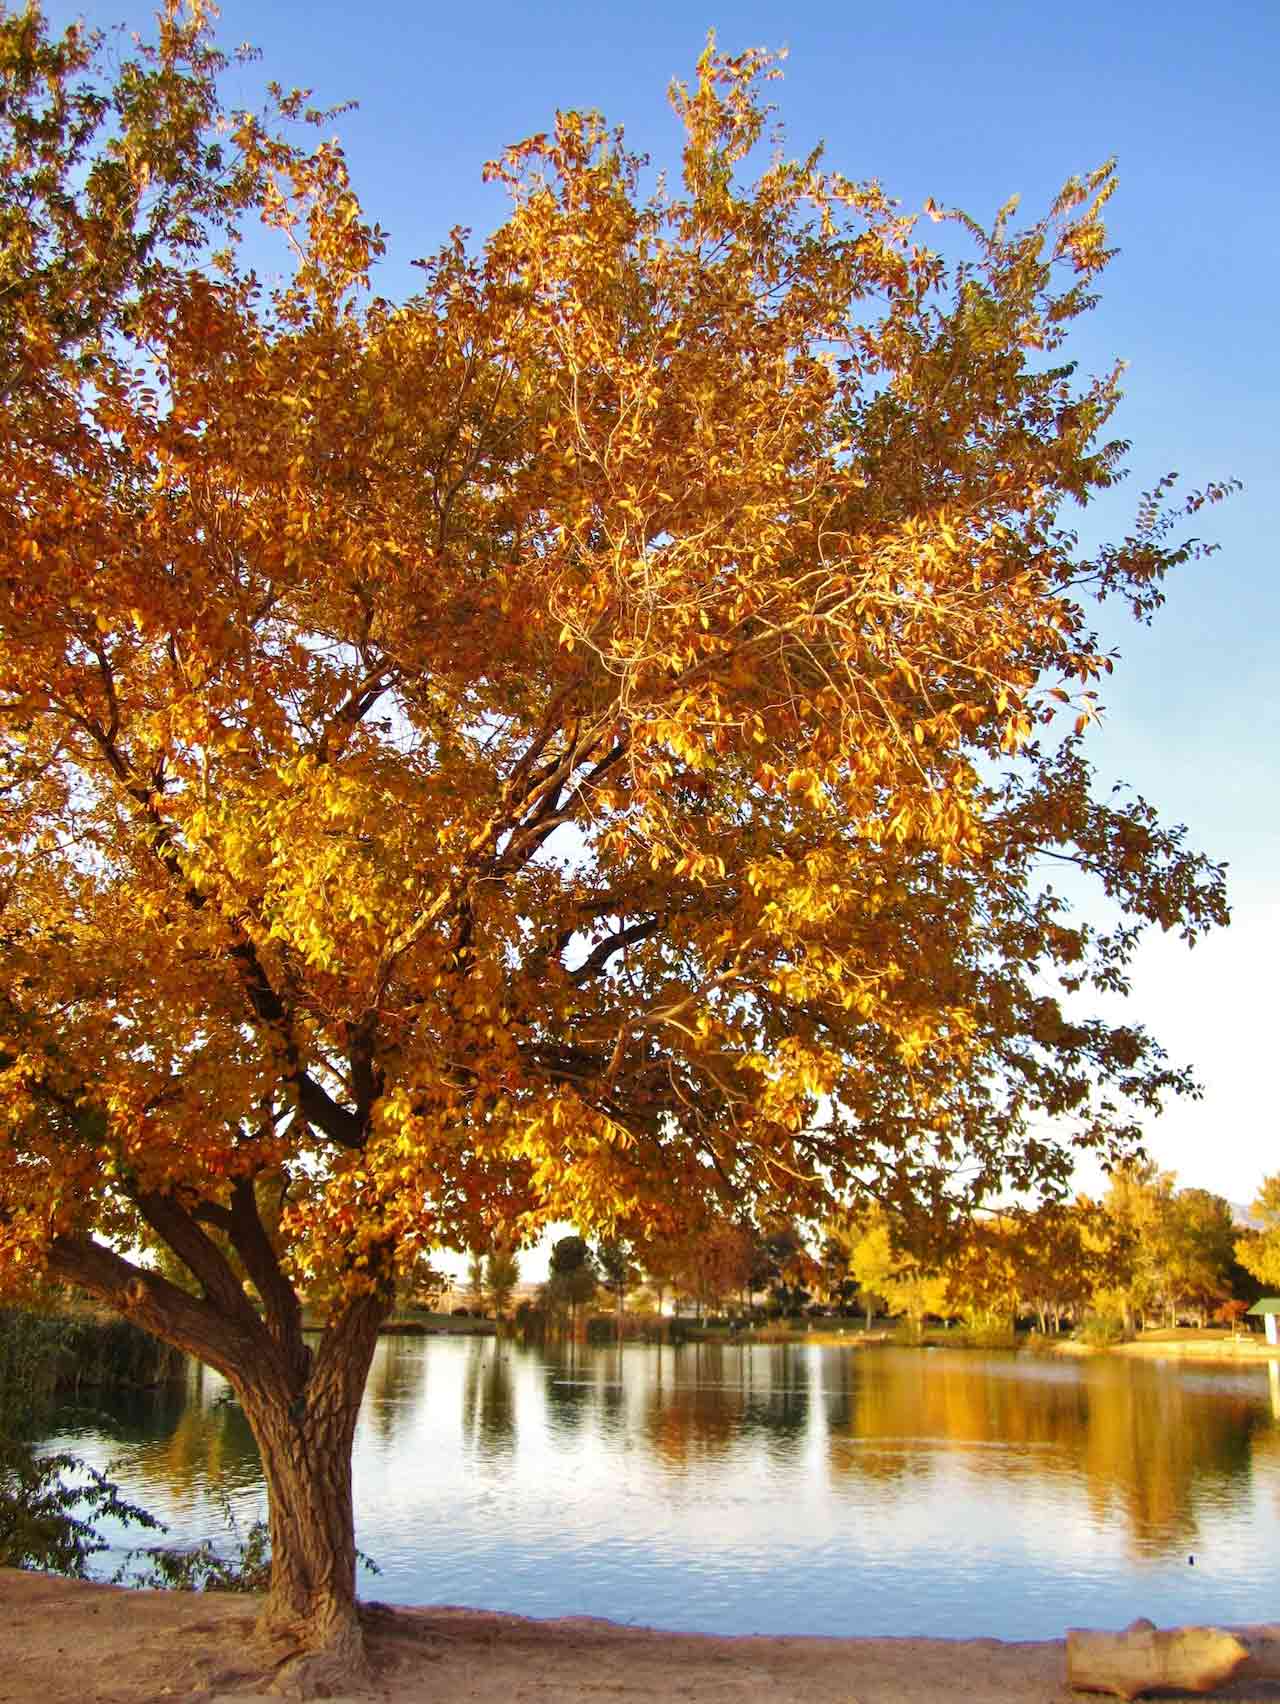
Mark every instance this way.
x=1143 y=1254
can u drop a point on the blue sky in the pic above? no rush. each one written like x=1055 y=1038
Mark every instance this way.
x=968 y=104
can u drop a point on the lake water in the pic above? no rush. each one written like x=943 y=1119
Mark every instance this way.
x=788 y=1489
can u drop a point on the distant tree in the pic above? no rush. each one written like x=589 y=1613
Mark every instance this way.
x=616 y=1261
x=421 y=1283
x=1139 y=1206
x=1061 y=1260
x=659 y=1259
x=618 y=1272
x=1231 y=1312
x=983 y=1273
x=475 y=1278
x=719 y=1264
x=884 y=1270
x=703 y=1264
x=569 y=1255
x=793 y=1273
x=501 y=1275
x=871 y=1259
x=1259 y=1251
x=838 y=1284
x=1201 y=1252
x=572 y=1280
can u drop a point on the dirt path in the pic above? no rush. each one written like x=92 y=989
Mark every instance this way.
x=63 y=1642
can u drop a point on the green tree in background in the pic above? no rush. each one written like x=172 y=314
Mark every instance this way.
x=501 y=1275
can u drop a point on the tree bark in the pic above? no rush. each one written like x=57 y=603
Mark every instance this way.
x=301 y=1406
x=304 y=1428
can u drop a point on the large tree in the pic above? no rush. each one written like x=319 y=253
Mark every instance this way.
x=579 y=743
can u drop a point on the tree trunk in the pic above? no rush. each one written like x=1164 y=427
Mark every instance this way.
x=301 y=1405
x=306 y=1463
x=304 y=1437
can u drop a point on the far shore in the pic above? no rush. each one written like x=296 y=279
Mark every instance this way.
x=1181 y=1343
x=76 y=1643
x=1200 y=1346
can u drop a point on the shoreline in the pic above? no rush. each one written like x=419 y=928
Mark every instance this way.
x=1178 y=1349
x=83 y=1643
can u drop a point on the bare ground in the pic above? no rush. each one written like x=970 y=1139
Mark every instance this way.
x=65 y=1642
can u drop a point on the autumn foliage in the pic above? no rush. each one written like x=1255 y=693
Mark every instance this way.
x=587 y=741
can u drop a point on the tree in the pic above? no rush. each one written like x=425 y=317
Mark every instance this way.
x=572 y=745
x=1139 y=1206
x=1202 y=1252
x=1061 y=1259
x=618 y=1273
x=573 y=1281
x=719 y=1264
x=501 y=1275
x=1259 y=1251
x=882 y=1268
x=837 y=1286
x=857 y=1249
x=982 y=1279
x=791 y=1269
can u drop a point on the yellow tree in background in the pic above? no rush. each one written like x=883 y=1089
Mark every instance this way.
x=579 y=743
x=1259 y=1251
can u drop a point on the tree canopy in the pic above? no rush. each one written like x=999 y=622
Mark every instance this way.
x=585 y=742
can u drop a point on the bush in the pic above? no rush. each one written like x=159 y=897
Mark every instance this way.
x=42 y=1352
x=202 y=1568
x=1101 y=1331
x=48 y=1503
x=47 y=1524
x=989 y=1336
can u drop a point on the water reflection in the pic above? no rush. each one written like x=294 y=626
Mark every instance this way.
x=775 y=1488
x=488 y=1398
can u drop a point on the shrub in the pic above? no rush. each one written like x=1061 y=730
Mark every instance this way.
x=48 y=1503
x=1100 y=1331
x=988 y=1336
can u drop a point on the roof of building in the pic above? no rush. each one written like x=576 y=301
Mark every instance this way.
x=1266 y=1305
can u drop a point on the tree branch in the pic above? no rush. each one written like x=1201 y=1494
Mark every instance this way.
x=598 y=958
x=198 y=1252
x=253 y=1245
x=188 y=1322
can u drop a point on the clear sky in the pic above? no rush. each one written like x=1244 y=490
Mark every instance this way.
x=967 y=103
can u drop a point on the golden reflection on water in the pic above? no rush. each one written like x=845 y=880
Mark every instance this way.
x=1144 y=1440
x=1143 y=1448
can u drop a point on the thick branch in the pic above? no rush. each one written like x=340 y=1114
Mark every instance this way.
x=253 y=1245
x=158 y=1306
x=199 y=1253
x=598 y=958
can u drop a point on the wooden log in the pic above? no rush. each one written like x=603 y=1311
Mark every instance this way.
x=1146 y=1659
x=1263 y=1644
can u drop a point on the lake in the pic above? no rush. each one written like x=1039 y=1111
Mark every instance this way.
x=753 y=1489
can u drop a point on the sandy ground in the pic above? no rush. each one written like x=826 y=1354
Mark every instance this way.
x=63 y=1642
